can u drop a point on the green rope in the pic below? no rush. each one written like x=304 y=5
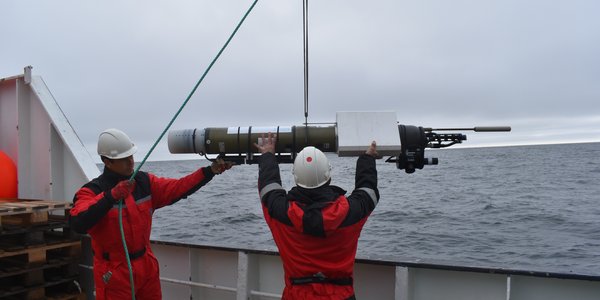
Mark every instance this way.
x=163 y=134
x=126 y=250
x=194 y=89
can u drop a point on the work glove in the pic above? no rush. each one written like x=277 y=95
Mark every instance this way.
x=219 y=166
x=122 y=189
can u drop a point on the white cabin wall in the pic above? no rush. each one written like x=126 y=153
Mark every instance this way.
x=71 y=164
x=34 y=145
x=34 y=132
x=60 y=168
x=8 y=118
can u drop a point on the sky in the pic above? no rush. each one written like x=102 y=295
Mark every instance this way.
x=532 y=65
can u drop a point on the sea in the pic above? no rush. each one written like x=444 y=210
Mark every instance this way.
x=531 y=208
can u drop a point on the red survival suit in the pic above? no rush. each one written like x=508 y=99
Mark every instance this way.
x=317 y=230
x=95 y=212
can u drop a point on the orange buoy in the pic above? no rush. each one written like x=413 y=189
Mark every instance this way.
x=8 y=177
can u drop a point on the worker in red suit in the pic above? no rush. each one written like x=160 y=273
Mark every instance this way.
x=96 y=212
x=315 y=226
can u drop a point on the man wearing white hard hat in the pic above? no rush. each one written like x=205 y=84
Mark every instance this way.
x=96 y=212
x=315 y=226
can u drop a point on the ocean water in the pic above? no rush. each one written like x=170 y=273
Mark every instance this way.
x=521 y=207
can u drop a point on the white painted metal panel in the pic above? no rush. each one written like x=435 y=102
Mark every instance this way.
x=429 y=284
x=356 y=130
x=75 y=160
x=214 y=267
x=174 y=263
x=537 y=288
x=34 y=132
x=8 y=118
x=374 y=281
x=61 y=168
x=34 y=146
x=267 y=276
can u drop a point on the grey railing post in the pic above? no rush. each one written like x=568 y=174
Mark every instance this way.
x=242 y=279
x=401 y=291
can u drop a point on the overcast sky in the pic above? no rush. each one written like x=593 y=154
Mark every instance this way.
x=533 y=65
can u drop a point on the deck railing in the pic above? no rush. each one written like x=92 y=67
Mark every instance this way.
x=205 y=272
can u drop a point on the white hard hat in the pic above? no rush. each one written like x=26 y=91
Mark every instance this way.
x=115 y=144
x=311 y=168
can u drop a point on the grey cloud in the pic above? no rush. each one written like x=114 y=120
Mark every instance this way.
x=436 y=63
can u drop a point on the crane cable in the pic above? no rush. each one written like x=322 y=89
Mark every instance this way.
x=162 y=135
x=305 y=42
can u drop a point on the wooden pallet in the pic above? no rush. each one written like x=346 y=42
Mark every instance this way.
x=64 y=265
x=34 y=272
x=62 y=289
x=27 y=212
x=55 y=230
x=39 y=254
x=28 y=205
x=65 y=296
x=46 y=282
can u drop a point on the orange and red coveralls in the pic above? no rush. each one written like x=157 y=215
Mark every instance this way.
x=95 y=212
x=317 y=230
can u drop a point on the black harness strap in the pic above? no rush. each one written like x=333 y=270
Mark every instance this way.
x=320 y=278
x=132 y=255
